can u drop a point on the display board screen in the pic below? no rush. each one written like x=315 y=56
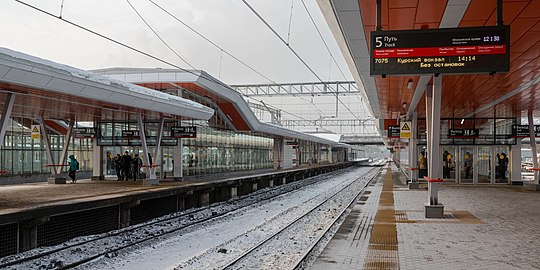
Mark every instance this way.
x=446 y=50
x=470 y=133
x=184 y=132
x=522 y=131
x=393 y=131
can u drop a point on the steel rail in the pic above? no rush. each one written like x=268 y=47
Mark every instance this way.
x=269 y=238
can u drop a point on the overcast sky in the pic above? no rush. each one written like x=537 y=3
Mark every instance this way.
x=229 y=23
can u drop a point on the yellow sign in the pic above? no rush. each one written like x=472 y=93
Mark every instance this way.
x=36 y=134
x=484 y=156
x=405 y=130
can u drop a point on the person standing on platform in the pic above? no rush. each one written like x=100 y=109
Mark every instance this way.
x=126 y=166
x=422 y=165
x=468 y=165
x=503 y=166
x=446 y=167
x=118 y=167
x=73 y=167
x=109 y=162
x=137 y=164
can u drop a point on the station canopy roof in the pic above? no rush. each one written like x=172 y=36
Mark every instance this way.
x=57 y=91
x=227 y=101
x=470 y=95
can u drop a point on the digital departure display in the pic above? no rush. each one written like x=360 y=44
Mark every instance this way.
x=446 y=50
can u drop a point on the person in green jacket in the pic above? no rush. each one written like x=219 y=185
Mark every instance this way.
x=73 y=167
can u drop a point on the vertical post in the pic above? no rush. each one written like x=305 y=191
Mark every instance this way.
x=434 y=155
x=499 y=12
x=97 y=160
x=178 y=168
x=433 y=209
x=413 y=149
x=6 y=115
x=379 y=12
x=157 y=153
x=150 y=180
x=67 y=139
x=47 y=143
x=533 y=144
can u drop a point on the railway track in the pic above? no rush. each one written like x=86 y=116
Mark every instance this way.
x=160 y=227
x=268 y=250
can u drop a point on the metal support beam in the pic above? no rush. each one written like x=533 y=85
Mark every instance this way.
x=433 y=154
x=151 y=181
x=379 y=16
x=500 y=13
x=157 y=152
x=67 y=139
x=413 y=149
x=533 y=144
x=6 y=115
x=47 y=143
x=307 y=88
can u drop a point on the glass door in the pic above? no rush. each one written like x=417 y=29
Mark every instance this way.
x=484 y=165
x=502 y=163
x=449 y=163
x=466 y=175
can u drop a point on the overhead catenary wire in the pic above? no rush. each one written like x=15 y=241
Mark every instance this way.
x=221 y=48
x=294 y=52
x=158 y=36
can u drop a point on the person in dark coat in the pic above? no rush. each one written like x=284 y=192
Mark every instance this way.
x=73 y=167
x=118 y=166
x=137 y=164
x=126 y=166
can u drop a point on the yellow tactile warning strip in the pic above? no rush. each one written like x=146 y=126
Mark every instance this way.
x=383 y=245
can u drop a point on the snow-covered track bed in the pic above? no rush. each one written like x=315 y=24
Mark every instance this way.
x=83 y=250
x=291 y=239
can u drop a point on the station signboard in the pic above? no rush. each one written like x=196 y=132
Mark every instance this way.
x=184 y=132
x=445 y=50
x=84 y=132
x=393 y=131
x=522 y=131
x=130 y=133
x=292 y=143
x=471 y=133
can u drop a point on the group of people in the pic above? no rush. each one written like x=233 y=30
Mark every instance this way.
x=128 y=166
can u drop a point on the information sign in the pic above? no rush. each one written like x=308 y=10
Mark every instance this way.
x=463 y=133
x=393 y=131
x=444 y=50
x=130 y=133
x=184 y=132
x=84 y=132
x=522 y=131
x=292 y=143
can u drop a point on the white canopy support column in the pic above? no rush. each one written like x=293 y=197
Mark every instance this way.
x=178 y=161
x=67 y=139
x=149 y=180
x=413 y=152
x=157 y=152
x=45 y=136
x=6 y=115
x=433 y=209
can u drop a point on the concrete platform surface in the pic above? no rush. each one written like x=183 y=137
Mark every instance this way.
x=482 y=228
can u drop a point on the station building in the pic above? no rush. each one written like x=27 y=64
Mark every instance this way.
x=98 y=115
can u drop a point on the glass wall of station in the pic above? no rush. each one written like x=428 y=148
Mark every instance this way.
x=23 y=155
x=212 y=151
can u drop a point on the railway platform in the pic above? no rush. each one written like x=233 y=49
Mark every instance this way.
x=33 y=215
x=483 y=228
